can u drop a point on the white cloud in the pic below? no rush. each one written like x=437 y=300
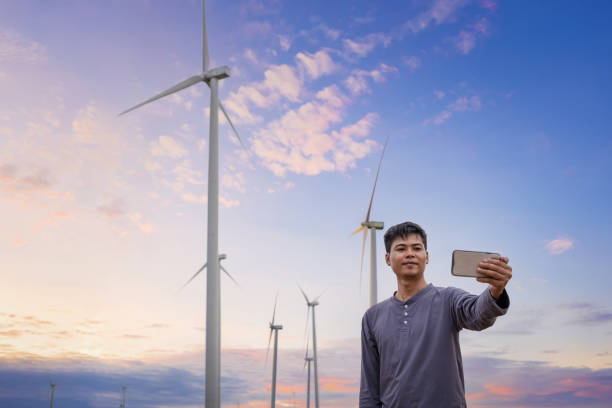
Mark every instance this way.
x=235 y=181
x=465 y=41
x=442 y=117
x=439 y=11
x=285 y=44
x=412 y=62
x=357 y=82
x=249 y=54
x=282 y=79
x=302 y=141
x=463 y=104
x=16 y=48
x=439 y=94
x=559 y=245
x=136 y=219
x=317 y=64
x=466 y=104
x=165 y=146
x=91 y=126
x=363 y=46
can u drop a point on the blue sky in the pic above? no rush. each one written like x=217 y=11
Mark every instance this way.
x=496 y=114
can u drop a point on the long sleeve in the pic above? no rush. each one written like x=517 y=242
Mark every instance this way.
x=476 y=312
x=369 y=393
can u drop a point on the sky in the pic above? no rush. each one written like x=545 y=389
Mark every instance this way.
x=495 y=114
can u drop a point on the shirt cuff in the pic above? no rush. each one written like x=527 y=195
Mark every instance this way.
x=503 y=301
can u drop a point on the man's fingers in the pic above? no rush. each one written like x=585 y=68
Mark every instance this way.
x=496 y=265
x=491 y=274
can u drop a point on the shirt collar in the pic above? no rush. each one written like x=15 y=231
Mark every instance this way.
x=414 y=298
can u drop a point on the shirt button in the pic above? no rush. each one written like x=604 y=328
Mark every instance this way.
x=405 y=313
x=405 y=321
x=405 y=306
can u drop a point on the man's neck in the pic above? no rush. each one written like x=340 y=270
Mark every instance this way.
x=408 y=288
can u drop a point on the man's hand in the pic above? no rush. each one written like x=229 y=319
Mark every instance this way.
x=497 y=273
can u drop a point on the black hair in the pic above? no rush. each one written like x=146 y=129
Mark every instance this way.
x=403 y=230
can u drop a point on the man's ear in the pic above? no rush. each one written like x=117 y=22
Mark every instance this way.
x=387 y=259
x=426 y=257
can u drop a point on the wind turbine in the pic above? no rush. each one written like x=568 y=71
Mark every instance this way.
x=312 y=304
x=273 y=328
x=123 y=389
x=51 y=391
x=372 y=226
x=221 y=257
x=213 y=287
x=307 y=361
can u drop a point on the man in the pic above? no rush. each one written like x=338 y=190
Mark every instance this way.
x=410 y=355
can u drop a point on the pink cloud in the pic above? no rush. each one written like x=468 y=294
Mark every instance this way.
x=317 y=64
x=303 y=142
x=439 y=11
x=363 y=46
x=465 y=41
x=559 y=245
x=357 y=83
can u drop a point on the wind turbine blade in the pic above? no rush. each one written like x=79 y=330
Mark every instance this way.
x=194 y=275
x=233 y=127
x=274 y=313
x=363 y=245
x=376 y=180
x=228 y=274
x=317 y=298
x=306 y=326
x=181 y=85
x=269 y=340
x=205 y=57
x=358 y=230
x=305 y=297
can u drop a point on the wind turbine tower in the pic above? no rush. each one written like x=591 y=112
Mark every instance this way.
x=372 y=226
x=123 y=389
x=51 y=392
x=307 y=362
x=210 y=77
x=312 y=304
x=274 y=328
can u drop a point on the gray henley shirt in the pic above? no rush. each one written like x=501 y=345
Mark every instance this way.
x=410 y=355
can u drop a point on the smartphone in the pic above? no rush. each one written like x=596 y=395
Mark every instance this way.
x=465 y=263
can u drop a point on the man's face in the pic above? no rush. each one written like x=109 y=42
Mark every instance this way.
x=408 y=256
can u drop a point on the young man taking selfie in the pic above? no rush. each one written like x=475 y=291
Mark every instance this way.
x=410 y=355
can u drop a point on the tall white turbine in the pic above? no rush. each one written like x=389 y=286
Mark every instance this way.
x=372 y=226
x=274 y=328
x=213 y=287
x=312 y=304
x=51 y=392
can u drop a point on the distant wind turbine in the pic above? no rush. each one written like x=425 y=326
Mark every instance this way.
x=51 y=391
x=372 y=226
x=221 y=257
x=213 y=287
x=307 y=361
x=273 y=328
x=123 y=389
x=312 y=304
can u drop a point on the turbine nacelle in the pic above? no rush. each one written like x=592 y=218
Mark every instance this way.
x=373 y=224
x=219 y=73
x=276 y=326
